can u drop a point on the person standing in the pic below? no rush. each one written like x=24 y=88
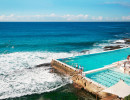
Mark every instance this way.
x=82 y=68
x=128 y=57
x=76 y=66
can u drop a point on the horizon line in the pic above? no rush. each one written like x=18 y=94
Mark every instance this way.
x=64 y=21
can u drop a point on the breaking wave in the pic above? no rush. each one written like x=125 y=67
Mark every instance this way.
x=19 y=76
x=29 y=81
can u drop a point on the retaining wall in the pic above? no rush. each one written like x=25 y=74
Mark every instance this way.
x=79 y=79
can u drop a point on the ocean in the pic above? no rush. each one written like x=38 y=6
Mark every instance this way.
x=24 y=45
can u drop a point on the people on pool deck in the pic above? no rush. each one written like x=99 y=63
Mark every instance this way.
x=80 y=69
x=127 y=68
x=76 y=66
x=128 y=57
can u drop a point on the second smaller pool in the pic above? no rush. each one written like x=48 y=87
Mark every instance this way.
x=109 y=77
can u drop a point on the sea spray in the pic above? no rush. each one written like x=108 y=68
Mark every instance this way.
x=30 y=81
x=19 y=76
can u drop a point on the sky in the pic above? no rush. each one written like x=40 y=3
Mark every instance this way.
x=65 y=10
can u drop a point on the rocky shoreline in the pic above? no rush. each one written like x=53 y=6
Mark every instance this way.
x=106 y=48
x=118 y=44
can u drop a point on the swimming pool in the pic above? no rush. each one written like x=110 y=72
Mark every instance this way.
x=109 y=77
x=98 y=60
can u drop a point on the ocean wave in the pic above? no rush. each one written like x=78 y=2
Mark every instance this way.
x=29 y=81
x=123 y=35
x=102 y=43
x=20 y=60
x=43 y=35
x=78 y=43
x=4 y=45
x=19 y=76
x=113 y=42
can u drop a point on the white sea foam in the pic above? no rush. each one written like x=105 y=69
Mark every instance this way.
x=29 y=81
x=111 y=43
x=96 y=50
x=104 y=43
x=21 y=60
x=19 y=77
x=119 y=41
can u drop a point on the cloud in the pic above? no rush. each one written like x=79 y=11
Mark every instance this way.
x=126 y=18
x=49 y=17
x=56 y=17
x=75 y=17
x=4 y=17
x=126 y=4
x=99 y=18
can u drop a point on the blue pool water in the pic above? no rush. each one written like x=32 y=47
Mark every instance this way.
x=109 y=77
x=99 y=60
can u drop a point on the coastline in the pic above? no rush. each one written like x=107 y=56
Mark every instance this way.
x=25 y=56
x=82 y=81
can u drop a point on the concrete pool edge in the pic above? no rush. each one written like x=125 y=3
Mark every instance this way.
x=89 y=63
x=99 y=52
x=86 y=83
x=86 y=72
x=99 y=69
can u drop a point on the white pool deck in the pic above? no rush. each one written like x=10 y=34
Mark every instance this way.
x=113 y=65
x=99 y=69
x=116 y=64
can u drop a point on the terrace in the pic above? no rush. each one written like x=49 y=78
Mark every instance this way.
x=101 y=70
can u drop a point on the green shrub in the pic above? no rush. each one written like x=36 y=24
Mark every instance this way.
x=127 y=97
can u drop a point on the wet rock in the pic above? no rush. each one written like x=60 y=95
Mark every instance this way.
x=112 y=47
x=45 y=64
x=119 y=42
x=123 y=41
x=125 y=38
x=127 y=41
x=84 y=51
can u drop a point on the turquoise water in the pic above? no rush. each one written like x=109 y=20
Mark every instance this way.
x=24 y=45
x=99 y=60
x=58 y=36
x=109 y=77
